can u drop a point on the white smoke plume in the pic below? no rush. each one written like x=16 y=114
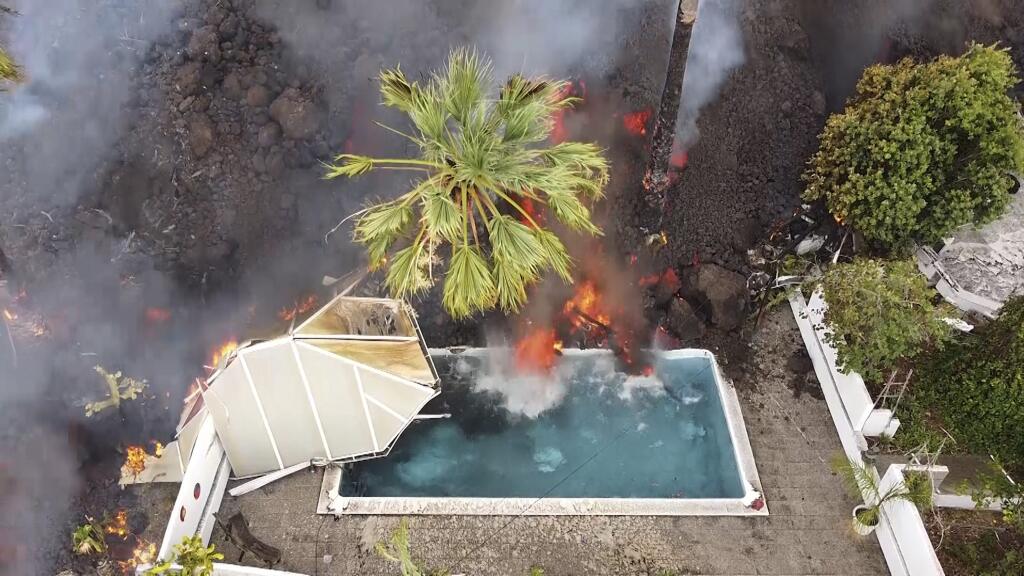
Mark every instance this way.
x=716 y=50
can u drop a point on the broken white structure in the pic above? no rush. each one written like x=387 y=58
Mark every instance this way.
x=340 y=387
x=978 y=269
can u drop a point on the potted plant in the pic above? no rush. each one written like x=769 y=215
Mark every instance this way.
x=862 y=482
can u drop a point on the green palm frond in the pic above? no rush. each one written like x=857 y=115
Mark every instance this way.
x=469 y=287
x=442 y=218
x=396 y=91
x=8 y=69
x=348 y=165
x=464 y=83
x=518 y=259
x=557 y=256
x=481 y=156
x=585 y=159
x=571 y=211
x=387 y=220
x=408 y=271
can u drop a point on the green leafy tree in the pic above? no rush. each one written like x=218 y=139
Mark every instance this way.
x=191 y=556
x=977 y=384
x=879 y=312
x=922 y=149
x=482 y=166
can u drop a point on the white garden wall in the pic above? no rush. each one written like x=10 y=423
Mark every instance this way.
x=901 y=533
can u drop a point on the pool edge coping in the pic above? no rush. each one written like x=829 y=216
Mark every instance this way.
x=458 y=506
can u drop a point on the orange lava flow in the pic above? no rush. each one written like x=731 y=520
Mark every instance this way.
x=636 y=122
x=678 y=159
x=156 y=315
x=300 y=307
x=538 y=350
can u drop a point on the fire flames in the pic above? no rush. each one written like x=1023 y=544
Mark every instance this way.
x=136 y=455
x=636 y=122
x=135 y=460
x=288 y=314
x=144 y=553
x=538 y=350
x=118 y=525
x=586 y=306
x=221 y=352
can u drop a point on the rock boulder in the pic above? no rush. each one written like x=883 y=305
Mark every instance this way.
x=721 y=293
x=297 y=114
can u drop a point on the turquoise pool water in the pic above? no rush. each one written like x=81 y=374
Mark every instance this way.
x=597 y=434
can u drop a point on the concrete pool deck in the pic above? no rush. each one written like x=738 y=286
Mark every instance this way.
x=792 y=437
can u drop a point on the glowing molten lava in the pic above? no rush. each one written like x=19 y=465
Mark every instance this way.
x=538 y=350
x=576 y=88
x=300 y=307
x=118 y=525
x=678 y=159
x=636 y=122
x=157 y=315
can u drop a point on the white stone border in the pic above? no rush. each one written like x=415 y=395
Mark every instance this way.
x=595 y=506
x=901 y=533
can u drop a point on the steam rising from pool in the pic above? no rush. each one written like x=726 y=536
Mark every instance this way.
x=530 y=394
x=585 y=430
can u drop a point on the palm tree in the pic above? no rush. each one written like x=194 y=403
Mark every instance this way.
x=9 y=71
x=486 y=184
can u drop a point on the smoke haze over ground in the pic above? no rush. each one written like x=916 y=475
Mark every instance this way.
x=716 y=50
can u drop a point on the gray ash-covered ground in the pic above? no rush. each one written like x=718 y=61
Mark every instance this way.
x=179 y=172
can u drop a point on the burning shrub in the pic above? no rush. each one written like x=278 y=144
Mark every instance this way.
x=922 y=148
x=879 y=312
x=481 y=165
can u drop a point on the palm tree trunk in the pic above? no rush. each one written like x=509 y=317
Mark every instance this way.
x=656 y=178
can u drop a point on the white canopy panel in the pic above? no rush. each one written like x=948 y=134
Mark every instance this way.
x=343 y=391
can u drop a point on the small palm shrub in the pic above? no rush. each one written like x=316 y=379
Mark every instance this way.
x=879 y=312
x=922 y=149
x=862 y=482
x=481 y=167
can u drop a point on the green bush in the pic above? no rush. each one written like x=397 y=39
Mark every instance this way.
x=879 y=312
x=922 y=148
x=977 y=384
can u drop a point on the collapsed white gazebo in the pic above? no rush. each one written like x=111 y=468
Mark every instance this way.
x=340 y=386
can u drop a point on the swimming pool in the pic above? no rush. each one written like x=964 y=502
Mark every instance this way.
x=584 y=440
